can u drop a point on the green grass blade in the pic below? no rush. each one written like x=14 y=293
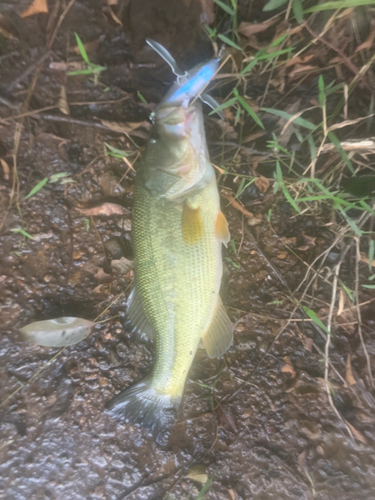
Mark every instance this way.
x=37 y=188
x=225 y=7
x=351 y=222
x=88 y=71
x=339 y=4
x=247 y=108
x=82 y=49
x=297 y=10
x=249 y=67
x=273 y=4
x=19 y=230
x=371 y=249
x=207 y=485
x=313 y=316
x=118 y=152
x=226 y=40
x=280 y=180
x=298 y=121
x=224 y=105
x=340 y=149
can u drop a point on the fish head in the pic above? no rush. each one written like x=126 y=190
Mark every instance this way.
x=176 y=161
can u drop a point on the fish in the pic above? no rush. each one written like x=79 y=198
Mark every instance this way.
x=178 y=230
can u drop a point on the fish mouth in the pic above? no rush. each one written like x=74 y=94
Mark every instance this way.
x=176 y=122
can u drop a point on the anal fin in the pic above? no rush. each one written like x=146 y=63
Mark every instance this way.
x=137 y=316
x=219 y=335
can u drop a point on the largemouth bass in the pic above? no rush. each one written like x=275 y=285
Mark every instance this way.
x=178 y=230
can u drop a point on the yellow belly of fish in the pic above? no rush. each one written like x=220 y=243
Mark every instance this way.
x=177 y=278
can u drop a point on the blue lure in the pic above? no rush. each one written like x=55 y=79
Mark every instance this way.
x=189 y=84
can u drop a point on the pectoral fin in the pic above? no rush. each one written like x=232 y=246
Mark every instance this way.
x=192 y=224
x=137 y=316
x=221 y=228
x=219 y=334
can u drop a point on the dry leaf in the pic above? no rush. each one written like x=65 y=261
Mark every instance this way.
x=309 y=242
x=367 y=44
x=282 y=255
x=104 y=209
x=235 y=204
x=289 y=369
x=349 y=377
x=6 y=169
x=208 y=14
x=37 y=7
x=103 y=277
x=125 y=127
x=4 y=31
x=226 y=420
x=233 y=494
x=197 y=473
x=109 y=11
x=63 y=102
x=307 y=343
x=249 y=29
x=122 y=265
x=262 y=184
x=341 y=303
x=66 y=66
x=364 y=258
x=358 y=435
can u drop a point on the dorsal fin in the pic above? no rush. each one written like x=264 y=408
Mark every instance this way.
x=219 y=335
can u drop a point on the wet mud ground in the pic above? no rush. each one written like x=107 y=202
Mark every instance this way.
x=258 y=420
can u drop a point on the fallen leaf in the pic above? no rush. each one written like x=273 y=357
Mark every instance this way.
x=197 y=473
x=341 y=303
x=57 y=332
x=122 y=265
x=66 y=66
x=364 y=258
x=233 y=494
x=37 y=7
x=309 y=242
x=4 y=28
x=262 y=184
x=104 y=209
x=6 y=169
x=63 y=101
x=249 y=29
x=208 y=13
x=109 y=11
x=235 y=204
x=367 y=44
x=358 y=435
x=226 y=419
x=282 y=255
x=103 y=277
x=125 y=127
x=307 y=343
x=349 y=377
x=289 y=369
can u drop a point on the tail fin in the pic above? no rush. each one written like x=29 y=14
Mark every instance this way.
x=142 y=404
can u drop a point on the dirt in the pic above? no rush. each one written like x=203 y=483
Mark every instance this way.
x=259 y=419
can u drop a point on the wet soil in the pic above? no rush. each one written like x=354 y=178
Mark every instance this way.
x=258 y=419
